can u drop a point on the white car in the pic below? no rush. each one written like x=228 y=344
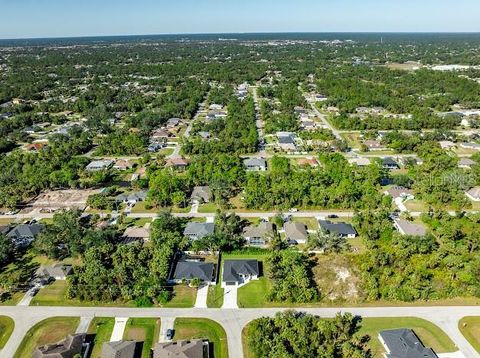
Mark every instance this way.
x=293 y=210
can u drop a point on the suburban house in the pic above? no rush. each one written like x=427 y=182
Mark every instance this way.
x=472 y=146
x=258 y=235
x=70 y=347
x=400 y=192
x=57 y=272
x=173 y=122
x=119 y=349
x=466 y=163
x=389 y=163
x=406 y=227
x=98 y=165
x=122 y=164
x=236 y=272
x=133 y=234
x=286 y=141
x=204 y=135
x=177 y=163
x=255 y=164
x=196 y=230
x=182 y=349
x=159 y=134
x=131 y=198
x=295 y=232
x=189 y=269
x=361 y=162
x=202 y=194
x=154 y=147
x=23 y=235
x=304 y=162
x=447 y=144
x=216 y=115
x=299 y=110
x=215 y=107
x=404 y=343
x=340 y=229
x=374 y=145
x=473 y=194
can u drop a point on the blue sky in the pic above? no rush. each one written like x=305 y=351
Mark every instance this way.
x=57 y=18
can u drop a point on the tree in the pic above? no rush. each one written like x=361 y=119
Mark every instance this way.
x=327 y=242
x=7 y=250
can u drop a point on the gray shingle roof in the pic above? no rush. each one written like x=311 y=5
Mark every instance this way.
x=403 y=343
x=295 y=231
x=263 y=229
x=337 y=228
x=234 y=269
x=189 y=270
x=255 y=162
x=120 y=349
x=199 y=230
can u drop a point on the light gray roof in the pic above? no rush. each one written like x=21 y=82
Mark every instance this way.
x=199 y=230
x=135 y=196
x=99 y=164
x=474 y=192
x=295 y=231
x=261 y=230
x=403 y=343
x=190 y=269
x=337 y=228
x=466 y=162
x=180 y=349
x=398 y=191
x=234 y=269
x=202 y=192
x=120 y=349
x=410 y=228
x=24 y=231
x=57 y=270
x=255 y=162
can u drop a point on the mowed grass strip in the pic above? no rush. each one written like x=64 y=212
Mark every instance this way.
x=215 y=296
x=470 y=328
x=183 y=297
x=6 y=328
x=430 y=335
x=102 y=328
x=202 y=328
x=146 y=330
x=51 y=330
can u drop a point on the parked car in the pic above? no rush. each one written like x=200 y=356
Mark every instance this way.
x=170 y=334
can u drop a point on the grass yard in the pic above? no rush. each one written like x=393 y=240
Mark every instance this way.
x=146 y=330
x=102 y=328
x=207 y=208
x=193 y=328
x=215 y=296
x=51 y=330
x=183 y=297
x=470 y=328
x=311 y=223
x=430 y=335
x=6 y=328
x=13 y=300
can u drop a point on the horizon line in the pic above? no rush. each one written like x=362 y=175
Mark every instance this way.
x=241 y=33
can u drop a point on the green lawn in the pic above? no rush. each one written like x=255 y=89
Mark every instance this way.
x=207 y=208
x=51 y=330
x=102 y=328
x=193 y=328
x=470 y=328
x=6 y=328
x=183 y=297
x=430 y=335
x=215 y=296
x=146 y=330
x=311 y=223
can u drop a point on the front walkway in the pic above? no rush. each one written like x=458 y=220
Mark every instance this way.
x=202 y=293
x=84 y=324
x=118 y=329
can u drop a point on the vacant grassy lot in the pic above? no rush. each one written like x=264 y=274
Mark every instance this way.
x=207 y=208
x=102 y=328
x=429 y=334
x=6 y=328
x=146 y=330
x=193 y=328
x=183 y=297
x=470 y=328
x=51 y=330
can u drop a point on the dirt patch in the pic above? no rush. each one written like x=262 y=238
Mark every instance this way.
x=337 y=278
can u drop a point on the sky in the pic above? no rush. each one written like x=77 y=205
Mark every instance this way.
x=65 y=18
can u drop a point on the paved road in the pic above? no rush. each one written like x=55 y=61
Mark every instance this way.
x=234 y=320
x=323 y=118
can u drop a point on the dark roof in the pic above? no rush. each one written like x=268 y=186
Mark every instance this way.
x=337 y=228
x=403 y=343
x=233 y=269
x=286 y=140
x=120 y=349
x=189 y=270
x=25 y=231
x=67 y=348
x=389 y=162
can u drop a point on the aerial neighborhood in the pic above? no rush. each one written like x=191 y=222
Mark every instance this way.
x=262 y=196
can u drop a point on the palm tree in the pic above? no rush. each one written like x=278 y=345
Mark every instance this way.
x=328 y=242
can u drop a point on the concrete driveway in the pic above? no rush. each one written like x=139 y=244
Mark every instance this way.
x=229 y=296
x=202 y=293
x=84 y=324
x=118 y=329
x=166 y=323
